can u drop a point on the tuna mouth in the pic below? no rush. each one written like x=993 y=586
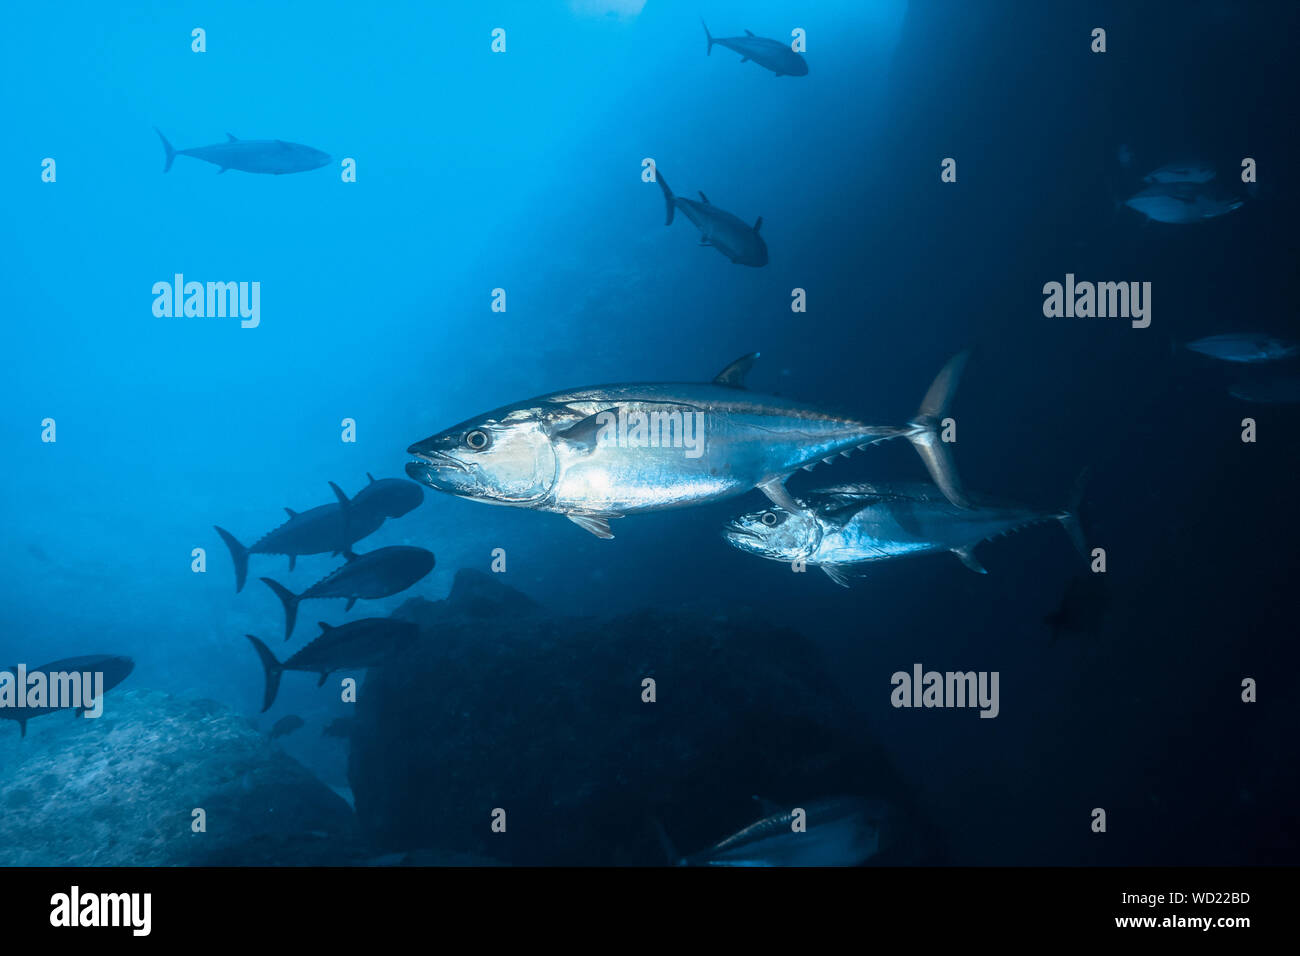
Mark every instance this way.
x=734 y=532
x=435 y=460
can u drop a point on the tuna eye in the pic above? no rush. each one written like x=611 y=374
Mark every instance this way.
x=477 y=439
x=769 y=518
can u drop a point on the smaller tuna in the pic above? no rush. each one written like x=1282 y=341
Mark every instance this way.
x=843 y=529
x=1244 y=347
x=114 y=668
x=272 y=156
x=1183 y=203
x=837 y=831
x=375 y=574
x=774 y=55
x=352 y=646
x=718 y=228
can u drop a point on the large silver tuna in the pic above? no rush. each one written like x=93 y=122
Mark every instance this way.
x=718 y=228
x=774 y=55
x=598 y=453
x=842 y=529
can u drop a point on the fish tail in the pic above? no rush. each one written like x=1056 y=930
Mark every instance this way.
x=239 y=554
x=923 y=431
x=171 y=153
x=290 y=602
x=668 y=196
x=273 y=670
x=708 y=36
x=1069 y=518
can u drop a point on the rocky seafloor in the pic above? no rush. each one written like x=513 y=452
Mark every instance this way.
x=500 y=705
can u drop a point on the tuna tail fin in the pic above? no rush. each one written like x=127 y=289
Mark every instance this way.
x=923 y=431
x=708 y=36
x=668 y=196
x=273 y=669
x=1069 y=518
x=171 y=153
x=239 y=554
x=290 y=602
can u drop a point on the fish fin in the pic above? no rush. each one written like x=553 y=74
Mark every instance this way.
x=749 y=33
x=779 y=495
x=371 y=477
x=1069 y=518
x=290 y=512
x=345 y=510
x=745 y=59
x=293 y=559
x=271 y=668
x=758 y=224
x=837 y=574
x=290 y=602
x=171 y=153
x=596 y=524
x=232 y=138
x=668 y=196
x=238 y=554
x=734 y=374
x=582 y=434
x=923 y=431
x=705 y=198
x=966 y=555
x=708 y=36
x=324 y=627
x=22 y=721
x=351 y=601
x=323 y=678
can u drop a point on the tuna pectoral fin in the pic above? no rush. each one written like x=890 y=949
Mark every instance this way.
x=324 y=676
x=967 y=557
x=838 y=574
x=596 y=524
x=171 y=153
x=778 y=494
x=923 y=431
x=351 y=603
x=271 y=668
x=734 y=374
x=668 y=196
x=290 y=602
x=239 y=554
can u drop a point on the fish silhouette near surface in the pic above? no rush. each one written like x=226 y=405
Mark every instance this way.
x=729 y=234
x=375 y=574
x=352 y=646
x=113 y=667
x=272 y=156
x=772 y=55
x=331 y=528
x=594 y=454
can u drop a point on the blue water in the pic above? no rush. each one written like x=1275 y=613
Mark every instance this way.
x=522 y=171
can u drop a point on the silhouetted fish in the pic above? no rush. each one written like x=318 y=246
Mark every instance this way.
x=329 y=529
x=1083 y=607
x=1191 y=171
x=273 y=156
x=774 y=55
x=285 y=726
x=1246 y=347
x=375 y=574
x=718 y=228
x=1268 y=391
x=1182 y=203
x=351 y=646
x=114 y=668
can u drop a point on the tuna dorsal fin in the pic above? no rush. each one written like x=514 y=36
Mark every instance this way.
x=734 y=374
x=967 y=557
x=232 y=138
x=351 y=601
x=749 y=33
x=596 y=524
x=324 y=676
x=324 y=627
x=758 y=224
x=705 y=198
x=779 y=495
x=290 y=512
x=371 y=477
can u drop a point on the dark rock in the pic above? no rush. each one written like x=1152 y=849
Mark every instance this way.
x=503 y=704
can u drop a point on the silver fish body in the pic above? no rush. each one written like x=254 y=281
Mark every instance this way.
x=271 y=156
x=729 y=234
x=844 y=527
x=599 y=453
x=774 y=55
